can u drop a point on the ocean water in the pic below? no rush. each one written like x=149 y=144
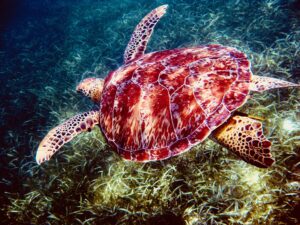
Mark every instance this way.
x=47 y=47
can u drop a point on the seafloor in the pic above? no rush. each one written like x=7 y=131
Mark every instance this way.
x=47 y=47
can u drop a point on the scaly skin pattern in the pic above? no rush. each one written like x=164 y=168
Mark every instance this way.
x=92 y=88
x=64 y=133
x=163 y=103
x=244 y=136
x=142 y=33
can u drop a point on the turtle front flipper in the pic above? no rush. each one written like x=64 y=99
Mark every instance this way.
x=64 y=133
x=142 y=33
x=261 y=84
x=244 y=136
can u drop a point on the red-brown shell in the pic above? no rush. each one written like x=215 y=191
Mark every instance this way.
x=165 y=102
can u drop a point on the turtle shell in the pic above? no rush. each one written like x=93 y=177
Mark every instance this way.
x=165 y=102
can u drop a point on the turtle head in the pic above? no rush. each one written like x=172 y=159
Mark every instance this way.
x=91 y=87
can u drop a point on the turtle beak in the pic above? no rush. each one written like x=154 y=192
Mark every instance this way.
x=79 y=88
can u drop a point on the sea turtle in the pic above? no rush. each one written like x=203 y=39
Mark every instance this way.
x=160 y=104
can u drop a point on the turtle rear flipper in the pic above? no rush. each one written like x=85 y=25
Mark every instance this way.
x=244 y=136
x=260 y=84
x=64 y=133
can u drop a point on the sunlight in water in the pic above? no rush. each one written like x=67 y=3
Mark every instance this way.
x=290 y=125
x=254 y=177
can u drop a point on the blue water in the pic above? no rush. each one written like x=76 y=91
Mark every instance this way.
x=47 y=47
